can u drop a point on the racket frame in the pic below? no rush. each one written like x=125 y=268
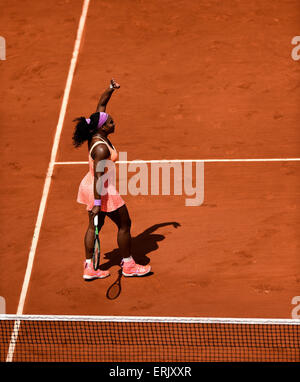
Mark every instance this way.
x=96 y=256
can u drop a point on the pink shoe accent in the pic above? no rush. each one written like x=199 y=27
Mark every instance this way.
x=132 y=269
x=89 y=273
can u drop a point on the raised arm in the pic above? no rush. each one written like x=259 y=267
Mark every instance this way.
x=105 y=97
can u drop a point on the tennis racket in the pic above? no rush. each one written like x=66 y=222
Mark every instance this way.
x=96 y=251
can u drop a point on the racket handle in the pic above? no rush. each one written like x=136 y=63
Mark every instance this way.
x=96 y=220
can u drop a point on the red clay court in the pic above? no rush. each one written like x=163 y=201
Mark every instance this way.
x=211 y=81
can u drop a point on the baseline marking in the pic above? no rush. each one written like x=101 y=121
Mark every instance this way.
x=47 y=183
x=192 y=161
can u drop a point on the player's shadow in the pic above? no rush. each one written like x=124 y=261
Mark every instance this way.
x=141 y=246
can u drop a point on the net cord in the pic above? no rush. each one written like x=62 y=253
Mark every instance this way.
x=200 y=320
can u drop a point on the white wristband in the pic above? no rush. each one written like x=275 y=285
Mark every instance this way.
x=111 y=86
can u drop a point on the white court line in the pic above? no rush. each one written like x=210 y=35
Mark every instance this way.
x=192 y=160
x=48 y=179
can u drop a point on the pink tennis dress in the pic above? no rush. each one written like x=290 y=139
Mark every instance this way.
x=112 y=200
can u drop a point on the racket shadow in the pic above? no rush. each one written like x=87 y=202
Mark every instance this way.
x=115 y=289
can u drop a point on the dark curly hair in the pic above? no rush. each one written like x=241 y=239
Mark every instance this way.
x=84 y=131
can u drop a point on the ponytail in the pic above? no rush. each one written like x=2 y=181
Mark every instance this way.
x=84 y=131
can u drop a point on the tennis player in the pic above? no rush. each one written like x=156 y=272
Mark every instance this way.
x=95 y=131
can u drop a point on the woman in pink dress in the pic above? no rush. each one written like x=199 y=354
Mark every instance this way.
x=95 y=130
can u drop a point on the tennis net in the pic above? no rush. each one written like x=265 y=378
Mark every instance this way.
x=146 y=339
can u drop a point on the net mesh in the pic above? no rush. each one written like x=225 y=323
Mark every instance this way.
x=128 y=339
